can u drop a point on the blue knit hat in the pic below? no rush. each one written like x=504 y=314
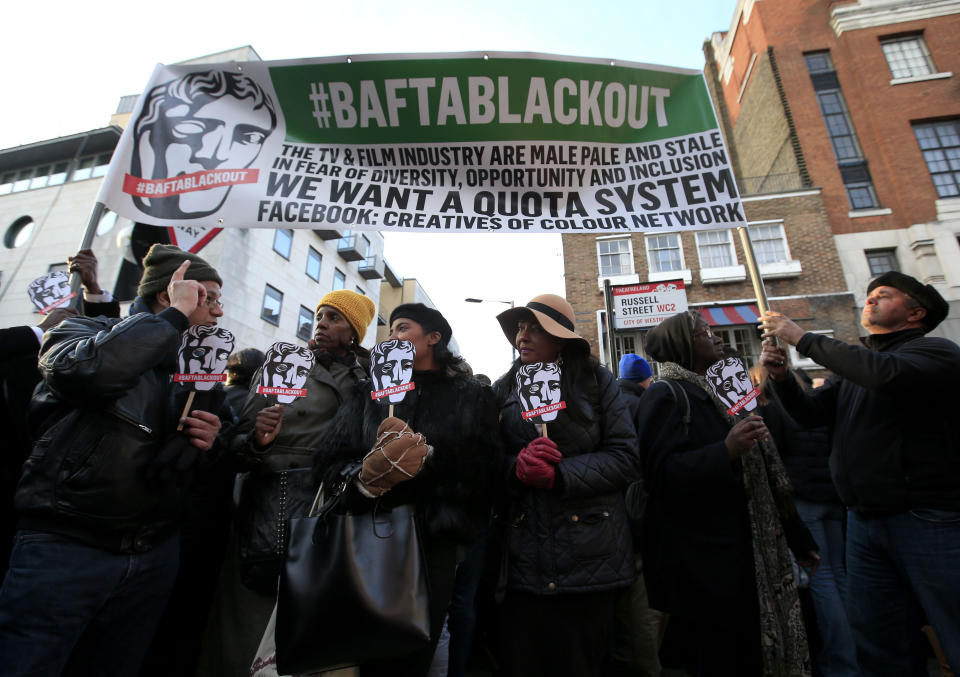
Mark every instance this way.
x=635 y=368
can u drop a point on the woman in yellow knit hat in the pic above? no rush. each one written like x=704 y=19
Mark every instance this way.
x=274 y=441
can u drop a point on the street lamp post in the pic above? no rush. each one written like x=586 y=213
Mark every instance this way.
x=513 y=348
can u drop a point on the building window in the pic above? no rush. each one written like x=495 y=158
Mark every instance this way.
x=91 y=166
x=769 y=243
x=839 y=127
x=364 y=246
x=843 y=138
x=716 y=249
x=314 y=259
x=882 y=261
x=908 y=57
x=283 y=241
x=940 y=144
x=615 y=256
x=742 y=340
x=339 y=279
x=663 y=253
x=272 y=302
x=19 y=232
x=305 y=324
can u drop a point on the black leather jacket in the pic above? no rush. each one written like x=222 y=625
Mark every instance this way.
x=100 y=416
x=575 y=537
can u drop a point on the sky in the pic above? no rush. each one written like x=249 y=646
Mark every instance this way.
x=68 y=63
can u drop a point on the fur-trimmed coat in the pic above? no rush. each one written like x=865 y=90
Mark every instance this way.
x=458 y=416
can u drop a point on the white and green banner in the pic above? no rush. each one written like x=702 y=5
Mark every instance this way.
x=426 y=142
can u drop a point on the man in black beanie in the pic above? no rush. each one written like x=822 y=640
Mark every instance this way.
x=892 y=407
x=96 y=551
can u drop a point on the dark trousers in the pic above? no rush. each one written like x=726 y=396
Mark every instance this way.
x=70 y=608
x=553 y=636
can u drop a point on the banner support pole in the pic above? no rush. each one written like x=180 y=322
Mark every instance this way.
x=99 y=209
x=611 y=327
x=758 y=289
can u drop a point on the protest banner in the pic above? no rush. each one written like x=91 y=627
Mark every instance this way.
x=464 y=142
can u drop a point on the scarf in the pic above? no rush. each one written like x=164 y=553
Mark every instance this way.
x=769 y=501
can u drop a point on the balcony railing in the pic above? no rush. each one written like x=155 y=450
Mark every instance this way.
x=347 y=248
x=371 y=268
x=330 y=234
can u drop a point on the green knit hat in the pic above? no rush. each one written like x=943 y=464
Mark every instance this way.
x=162 y=261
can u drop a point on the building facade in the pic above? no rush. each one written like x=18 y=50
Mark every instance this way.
x=861 y=98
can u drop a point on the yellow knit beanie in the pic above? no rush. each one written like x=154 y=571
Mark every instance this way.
x=357 y=308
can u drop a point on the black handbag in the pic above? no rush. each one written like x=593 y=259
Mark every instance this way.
x=267 y=502
x=353 y=589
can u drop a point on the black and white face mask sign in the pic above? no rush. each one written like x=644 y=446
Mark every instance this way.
x=202 y=359
x=50 y=291
x=391 y=368
x=285 y=372
x=730 y=381
x=538 y=388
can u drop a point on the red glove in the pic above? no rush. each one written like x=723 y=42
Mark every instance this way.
x=534 y=471
x=545 y=449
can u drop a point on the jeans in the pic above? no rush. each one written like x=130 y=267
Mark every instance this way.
x=895 y=562
x=828 y=588
x=67 y=607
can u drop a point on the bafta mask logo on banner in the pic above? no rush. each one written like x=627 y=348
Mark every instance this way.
x=202 y=359
x=730 y=381
x=50 y=291
x=285 y=372
x=391 y=368
x=538 y=387
x=194 y=139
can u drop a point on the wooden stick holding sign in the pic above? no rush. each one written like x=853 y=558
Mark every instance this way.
x=538 y=389
x=202 y=360
x=391 y=368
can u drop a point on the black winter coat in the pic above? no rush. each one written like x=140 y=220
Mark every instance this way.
x=102 y=415
x=805 y=453
x=697 y=541
x=575 y=537
x=892 y=409
x=458 y=416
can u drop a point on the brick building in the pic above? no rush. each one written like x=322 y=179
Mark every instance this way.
x=860 y=98
x=842 y=121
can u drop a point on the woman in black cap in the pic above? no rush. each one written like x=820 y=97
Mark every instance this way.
x=565 y=535
x=454 y=415
x=720 y=517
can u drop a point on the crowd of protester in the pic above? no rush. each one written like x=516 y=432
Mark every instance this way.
x=644 y=528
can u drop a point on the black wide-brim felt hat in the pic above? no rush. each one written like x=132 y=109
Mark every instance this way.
x=552 y=312
x=926 y=295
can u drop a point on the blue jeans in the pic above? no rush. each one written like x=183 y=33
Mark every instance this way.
x=828 y=588
x=67 y=606
x=895 y=562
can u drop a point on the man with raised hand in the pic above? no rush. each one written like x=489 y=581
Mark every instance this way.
x=96 y=550
x=892 y=408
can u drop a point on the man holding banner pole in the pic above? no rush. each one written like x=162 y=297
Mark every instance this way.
x=895 y=461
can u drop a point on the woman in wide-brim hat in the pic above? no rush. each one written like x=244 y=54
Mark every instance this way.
x=563 y=525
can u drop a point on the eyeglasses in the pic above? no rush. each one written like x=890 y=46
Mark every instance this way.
x=706 y=331
x=212 y=303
